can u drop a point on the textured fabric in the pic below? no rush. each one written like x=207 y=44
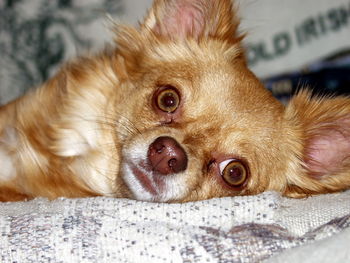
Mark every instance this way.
x=300 y=216
x=334 y=249
x=287 y=35
x=237 y=229
x=36 y=36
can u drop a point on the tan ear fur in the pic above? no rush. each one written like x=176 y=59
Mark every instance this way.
x=323 y=128
x=179 y=19
x=174 y=22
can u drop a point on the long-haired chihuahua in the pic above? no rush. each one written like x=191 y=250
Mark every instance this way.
x=171 y=114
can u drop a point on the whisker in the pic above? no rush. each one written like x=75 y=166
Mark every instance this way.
x=121 y=129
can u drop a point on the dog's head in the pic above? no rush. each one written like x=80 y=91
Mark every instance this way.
x=199 y=123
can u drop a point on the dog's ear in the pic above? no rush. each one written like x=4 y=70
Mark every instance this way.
x=323 y=128
x=179 y=19
x=176 y=21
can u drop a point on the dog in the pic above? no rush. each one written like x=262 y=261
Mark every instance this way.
x=171 y=114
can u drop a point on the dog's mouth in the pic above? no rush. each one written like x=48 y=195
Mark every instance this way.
x=147 y=179
x=154 y=171
x=142 y=180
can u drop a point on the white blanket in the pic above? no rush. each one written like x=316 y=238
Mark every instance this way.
x=237 y=229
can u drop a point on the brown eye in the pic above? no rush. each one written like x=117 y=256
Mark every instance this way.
x=233 y=172
x=168 y=99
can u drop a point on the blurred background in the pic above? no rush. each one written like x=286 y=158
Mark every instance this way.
x=290 y=43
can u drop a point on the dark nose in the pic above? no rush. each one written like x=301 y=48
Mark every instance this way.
x=166 y=156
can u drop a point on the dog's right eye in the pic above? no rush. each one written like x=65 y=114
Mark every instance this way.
x=167 y=99
x=233 y=172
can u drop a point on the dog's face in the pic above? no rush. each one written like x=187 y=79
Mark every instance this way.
x=201 y=125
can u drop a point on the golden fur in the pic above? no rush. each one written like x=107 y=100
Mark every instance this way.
x=76 y=134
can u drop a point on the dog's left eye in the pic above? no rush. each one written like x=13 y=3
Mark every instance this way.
x=167 y=99
x=233 y=172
